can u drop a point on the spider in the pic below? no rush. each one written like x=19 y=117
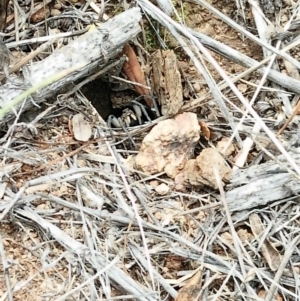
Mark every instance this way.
x=133 y=114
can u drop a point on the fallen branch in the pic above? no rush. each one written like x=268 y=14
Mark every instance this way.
x=93 y=50
x=262 y=184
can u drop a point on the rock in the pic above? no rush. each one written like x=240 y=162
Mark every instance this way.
x=162 y=189
x=179 y=182
x=200 y=171
x=169 y=145
x=222 y=143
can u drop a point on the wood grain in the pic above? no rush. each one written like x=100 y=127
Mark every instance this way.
x=3 y=14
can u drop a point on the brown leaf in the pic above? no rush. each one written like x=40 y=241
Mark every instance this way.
x=262 y=294
x=134 y=72
x=40 y=15
x=190 y=292
x=205 y=130
x=174 y=262
x=269 y=252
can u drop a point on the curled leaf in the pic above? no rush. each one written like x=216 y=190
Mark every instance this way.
x=134 y=72
x=205 y=130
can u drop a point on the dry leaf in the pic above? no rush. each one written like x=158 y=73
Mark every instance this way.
x=269 y=252
x=262 y=294
x=81 y=128
x=134 y=72
x=40 y=15
x=174 y=262
x=205 y=130
x=271 y=255
x=191 y=291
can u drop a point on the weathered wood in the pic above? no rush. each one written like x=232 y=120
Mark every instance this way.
x=262 y=184
x=166 y=81
x=93 y=50
x=3 y=13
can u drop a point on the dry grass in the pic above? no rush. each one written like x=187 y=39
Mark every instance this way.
x=78 y=222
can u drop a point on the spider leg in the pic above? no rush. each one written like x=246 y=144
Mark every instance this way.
x=139 y=108
x=118 y=123
x=138 y=112
x=113 y=120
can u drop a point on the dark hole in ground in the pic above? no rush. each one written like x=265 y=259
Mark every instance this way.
x=100 y=94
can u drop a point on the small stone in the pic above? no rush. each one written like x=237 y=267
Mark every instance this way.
x=200 y=171
x=223 y=143
x=242 y=87
x=179 y=182
x=55 y=12
x=154 y=183
x=162 y=189
x=197 y=87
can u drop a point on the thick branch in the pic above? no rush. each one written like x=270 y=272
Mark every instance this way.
x=262 y=184
x=93 y=50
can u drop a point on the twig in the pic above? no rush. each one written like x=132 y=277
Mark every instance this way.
x=216 y=296
x=159 y=278
x=92 y=278
x=46 y=38
x=236 y=240
x=5 y=270
x=287 y=255
x=242 y=30
x=26 y=59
